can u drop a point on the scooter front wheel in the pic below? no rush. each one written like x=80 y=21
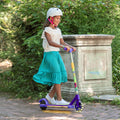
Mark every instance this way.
x=78 y=107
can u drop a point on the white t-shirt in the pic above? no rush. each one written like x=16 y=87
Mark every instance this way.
x=55 y=34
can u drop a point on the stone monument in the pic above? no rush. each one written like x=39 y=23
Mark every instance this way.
x=93 y=64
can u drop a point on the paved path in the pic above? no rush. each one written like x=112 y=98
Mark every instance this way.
x=16 y=109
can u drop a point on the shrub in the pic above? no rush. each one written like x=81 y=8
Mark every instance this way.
x=24 y=42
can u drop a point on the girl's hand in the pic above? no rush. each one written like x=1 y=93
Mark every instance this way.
x=74 y=49
x=68 y=48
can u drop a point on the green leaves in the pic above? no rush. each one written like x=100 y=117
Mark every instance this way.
x=21 y=26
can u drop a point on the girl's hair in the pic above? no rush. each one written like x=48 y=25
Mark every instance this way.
x=46 y=24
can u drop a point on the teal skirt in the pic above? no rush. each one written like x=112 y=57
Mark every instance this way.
x=52 y=70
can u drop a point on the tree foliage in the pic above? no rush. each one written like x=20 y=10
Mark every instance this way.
x=21 y=26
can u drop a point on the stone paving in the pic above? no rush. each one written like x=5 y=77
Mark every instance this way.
x=16 y=109
x=107 y=97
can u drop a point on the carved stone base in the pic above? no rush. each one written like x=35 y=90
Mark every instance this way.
x=93 y=64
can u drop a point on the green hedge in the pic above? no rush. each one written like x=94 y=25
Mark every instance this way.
x=23 y=28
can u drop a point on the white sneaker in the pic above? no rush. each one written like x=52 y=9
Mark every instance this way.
x=50 y=100
x=62 y=102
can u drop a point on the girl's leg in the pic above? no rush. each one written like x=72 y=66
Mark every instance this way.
x=56 y=89
x=52 y=92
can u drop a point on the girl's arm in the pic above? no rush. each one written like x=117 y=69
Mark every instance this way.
x=47 y=35
x=65 y=44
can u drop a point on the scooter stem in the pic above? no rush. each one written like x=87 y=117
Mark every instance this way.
x=73 y=70
x=74 y=75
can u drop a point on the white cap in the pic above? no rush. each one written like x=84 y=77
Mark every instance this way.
x=54 y=12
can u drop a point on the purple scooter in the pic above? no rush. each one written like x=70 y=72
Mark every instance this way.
x=75 y=103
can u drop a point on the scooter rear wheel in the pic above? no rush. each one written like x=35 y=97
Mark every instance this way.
x=43 y=102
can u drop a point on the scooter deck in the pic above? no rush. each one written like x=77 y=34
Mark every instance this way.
x=57 y=106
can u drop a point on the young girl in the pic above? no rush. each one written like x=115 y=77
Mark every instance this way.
x=52 y=70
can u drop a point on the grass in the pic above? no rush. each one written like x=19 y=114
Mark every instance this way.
x=90 y=100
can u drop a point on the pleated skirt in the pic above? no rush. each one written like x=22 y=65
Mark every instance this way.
x=52 y=70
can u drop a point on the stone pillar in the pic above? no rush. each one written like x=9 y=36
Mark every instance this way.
x=93 y=64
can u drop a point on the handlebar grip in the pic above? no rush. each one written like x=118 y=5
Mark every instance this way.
x=69 y=50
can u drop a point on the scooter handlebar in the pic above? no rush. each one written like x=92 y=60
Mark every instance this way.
x=69 y=50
